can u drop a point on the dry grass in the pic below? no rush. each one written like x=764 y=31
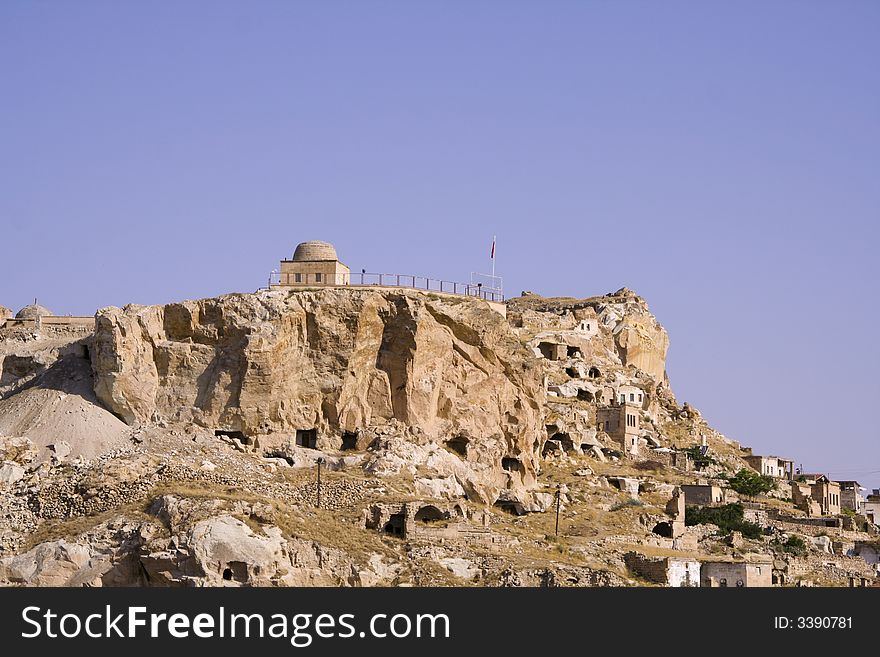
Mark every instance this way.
x=71 y=528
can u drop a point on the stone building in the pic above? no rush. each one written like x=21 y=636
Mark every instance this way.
x=851 y=497
x=33 y=311
x=35 y=317
x=314 y=263
x=669 y=571
x=872 y=506
x=726 y=573
x=631 y=395
x=706 y=495
x=816 y=494
x=589 y=326
x=772 y=466
x=621 y=422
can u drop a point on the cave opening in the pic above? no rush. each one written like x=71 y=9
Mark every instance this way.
x=307 y=438
x=349 y=440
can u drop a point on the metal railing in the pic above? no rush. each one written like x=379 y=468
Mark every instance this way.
x=409 y=281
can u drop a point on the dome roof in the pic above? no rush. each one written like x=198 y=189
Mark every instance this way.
x=314 y=250
x=32 y=312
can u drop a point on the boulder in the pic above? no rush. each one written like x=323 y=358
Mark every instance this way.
x=54 y=563
x=10 y=473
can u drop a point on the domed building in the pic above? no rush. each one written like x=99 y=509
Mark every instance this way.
x=33 y=311
x=314 y=263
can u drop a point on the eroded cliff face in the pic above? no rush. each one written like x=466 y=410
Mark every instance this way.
x=640 y=339
x=334 y=360
x=628 y=334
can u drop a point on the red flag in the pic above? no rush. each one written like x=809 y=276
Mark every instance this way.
x=493 y=248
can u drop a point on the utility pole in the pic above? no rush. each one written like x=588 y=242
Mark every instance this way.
x=320 y=463
x=558 y=495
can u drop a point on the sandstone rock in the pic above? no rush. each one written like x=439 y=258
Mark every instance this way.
x=377 y=572
x=227 y=549
x=60 y=450
x=17 y=449
x=302 y=457
x=822 y=543
x=10 y=473
x=333 y=360
x=439 y=488
x=459 y=567
x=48 y=564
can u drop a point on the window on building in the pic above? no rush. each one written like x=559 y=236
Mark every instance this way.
x=317 y=278
x=632 y=397
x=297 y=278
x=622 y=398
x=640 y=396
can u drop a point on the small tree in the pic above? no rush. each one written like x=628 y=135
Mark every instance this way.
x=747 y=482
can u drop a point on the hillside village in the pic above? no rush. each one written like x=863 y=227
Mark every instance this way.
x=355 y=429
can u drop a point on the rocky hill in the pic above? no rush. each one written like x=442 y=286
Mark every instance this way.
x=179 y=445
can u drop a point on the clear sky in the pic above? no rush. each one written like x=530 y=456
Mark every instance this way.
x=719 y=158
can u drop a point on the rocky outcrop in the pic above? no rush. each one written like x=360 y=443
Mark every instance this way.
x=630 y=335
x=333 y=361
x=197 y=543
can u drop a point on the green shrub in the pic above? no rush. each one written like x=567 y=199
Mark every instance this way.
x=793 y=545
x=748 y=482
x=728 y=518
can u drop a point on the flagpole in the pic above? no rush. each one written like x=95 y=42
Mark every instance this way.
x=493 y=261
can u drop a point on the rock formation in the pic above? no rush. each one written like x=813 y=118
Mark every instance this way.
x=333 y=361
x=180 y=445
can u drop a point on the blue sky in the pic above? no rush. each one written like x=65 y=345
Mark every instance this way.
x=721 y=159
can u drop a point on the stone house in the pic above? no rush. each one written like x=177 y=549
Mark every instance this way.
x=621 y=422
x=723 y=573
x=772 y=466
x=816 y=494
x=872 y=506
x=669 y=571
x=589 y=326
x=314 y=263
x=631 y=395
x=851 y=497
x=707 y=495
